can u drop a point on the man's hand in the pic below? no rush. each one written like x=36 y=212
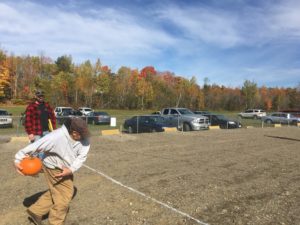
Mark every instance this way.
x=65 y=172
x=19 y=169
x=31 y=137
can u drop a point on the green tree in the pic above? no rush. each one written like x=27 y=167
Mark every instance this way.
x=64 y=64
x=250 y=93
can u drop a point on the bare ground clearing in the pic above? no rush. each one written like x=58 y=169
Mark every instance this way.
x=243 y=176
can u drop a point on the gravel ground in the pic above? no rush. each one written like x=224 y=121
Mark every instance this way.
x=242 y=176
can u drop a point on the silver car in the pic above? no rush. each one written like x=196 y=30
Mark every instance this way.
x=281 y=117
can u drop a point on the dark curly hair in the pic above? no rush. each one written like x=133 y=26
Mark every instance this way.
x=79 y=125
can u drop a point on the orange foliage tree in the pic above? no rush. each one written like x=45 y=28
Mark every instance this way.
x=4 y=76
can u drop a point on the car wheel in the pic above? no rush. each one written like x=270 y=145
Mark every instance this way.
x=130 y=130
x=269 y=121
x=223 y=126
x=186 y=127
x=153 y=130
x=94 y=122
x=255 y=117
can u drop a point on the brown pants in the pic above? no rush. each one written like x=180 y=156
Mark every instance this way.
x=56 y=200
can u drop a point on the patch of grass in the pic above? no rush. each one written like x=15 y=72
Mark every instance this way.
x=15 y=110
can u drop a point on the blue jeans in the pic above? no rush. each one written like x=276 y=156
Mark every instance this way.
x=41 y=155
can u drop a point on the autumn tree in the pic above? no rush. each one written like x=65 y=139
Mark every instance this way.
x=62 y=86
x=84 y=82
x=122 y=88
x=230 y=99
x=250 y=93
x=206 y=88
x=293 y=98
x=103 y=81
x=266 y=100
x=96 y=85
x=144 y=90
x=148 y=73
x=4 y=77
x=164 y=88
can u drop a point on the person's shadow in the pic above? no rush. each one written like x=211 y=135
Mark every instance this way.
x=33 y=198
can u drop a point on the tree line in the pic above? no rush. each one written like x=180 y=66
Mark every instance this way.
x=93 y=84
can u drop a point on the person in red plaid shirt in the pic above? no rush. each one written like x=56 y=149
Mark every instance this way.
x=37 y=115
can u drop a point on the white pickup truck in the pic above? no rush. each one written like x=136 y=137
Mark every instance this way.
x=184 y=119
x=5 y=119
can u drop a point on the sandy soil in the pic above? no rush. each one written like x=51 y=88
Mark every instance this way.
x=244 y=176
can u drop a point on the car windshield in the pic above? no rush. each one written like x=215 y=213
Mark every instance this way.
x=202 y=112
x=3 y=113
x=134 y=118
x=66 y=110
x=66 y=113
x=100 y=114
x=221 y=117
x=185 y=111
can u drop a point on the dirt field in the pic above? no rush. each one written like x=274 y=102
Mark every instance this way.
x=245 y=176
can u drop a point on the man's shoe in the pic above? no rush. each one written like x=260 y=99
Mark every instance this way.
x=37 y=220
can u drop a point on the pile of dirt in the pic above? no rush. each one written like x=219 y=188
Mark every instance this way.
x=4 y=139
x=226 y=177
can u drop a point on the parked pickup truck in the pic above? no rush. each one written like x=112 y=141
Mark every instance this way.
x=184 y=119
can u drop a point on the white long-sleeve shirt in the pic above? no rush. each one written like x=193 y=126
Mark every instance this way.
x=60 y=150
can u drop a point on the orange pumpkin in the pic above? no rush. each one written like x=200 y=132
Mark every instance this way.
x=31 y=166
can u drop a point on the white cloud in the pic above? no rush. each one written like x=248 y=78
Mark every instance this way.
x=61 y=32
x=203 y=24
x=245 y=26
x=187 y=39
x=288 y=77
x=285 y=19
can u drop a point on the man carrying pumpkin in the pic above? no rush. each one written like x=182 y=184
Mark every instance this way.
x=65 y=151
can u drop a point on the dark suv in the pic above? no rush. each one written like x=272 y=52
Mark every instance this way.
x=145 y=123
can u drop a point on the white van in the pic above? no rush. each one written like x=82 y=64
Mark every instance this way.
x=85 y=110
x=58 y=110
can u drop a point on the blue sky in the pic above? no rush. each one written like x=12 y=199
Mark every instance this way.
x=226 y=41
